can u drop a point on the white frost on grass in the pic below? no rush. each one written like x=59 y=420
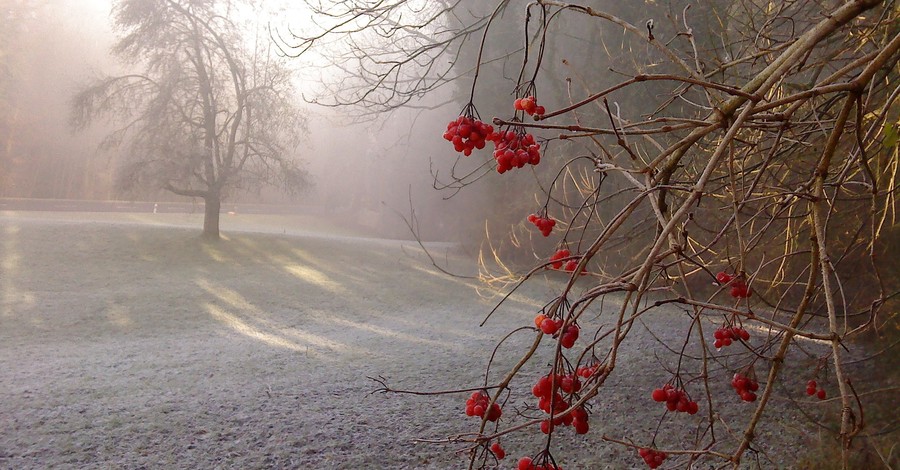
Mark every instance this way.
x=127 y=342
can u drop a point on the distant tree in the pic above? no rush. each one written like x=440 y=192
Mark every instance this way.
x=206 y=115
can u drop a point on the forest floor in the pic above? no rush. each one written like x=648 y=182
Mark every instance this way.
x=126 y=341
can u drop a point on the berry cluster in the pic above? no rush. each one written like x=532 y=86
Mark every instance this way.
x=467 y=133
x=571 y=265
x=812 y=388
x=529 y=105
x=676 y=400
x=739 y=288
x=745 y=386
x=653 y=458
x=549 y=326
x=546 y=324
x=586 y=371
x=558 y=256
x=525 y=463
x=514 y=150
x=477 y=405
x=550 y=401
x=498 y=451
x=725 y=335
x=569 y=336
x=543 y=223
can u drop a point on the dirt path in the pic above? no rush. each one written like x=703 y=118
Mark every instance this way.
x=126 y=342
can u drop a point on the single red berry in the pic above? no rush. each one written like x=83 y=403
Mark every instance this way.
x=581 y=427
x=659 y=395
x=525 y=463
x=546 y=426
x=693 y=408
x=821 y=394
x=498 y=451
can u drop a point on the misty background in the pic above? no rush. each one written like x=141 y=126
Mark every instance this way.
x=371 y=164
x=362 y=172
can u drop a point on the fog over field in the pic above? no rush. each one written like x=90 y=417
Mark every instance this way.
x=254 y=234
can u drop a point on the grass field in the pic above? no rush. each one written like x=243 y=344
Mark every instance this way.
x=128 y=342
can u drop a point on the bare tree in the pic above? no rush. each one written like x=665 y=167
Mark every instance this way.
x=207 y=114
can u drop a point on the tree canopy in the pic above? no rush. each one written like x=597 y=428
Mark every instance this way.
x=205 y=110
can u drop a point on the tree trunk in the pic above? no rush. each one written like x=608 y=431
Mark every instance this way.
x=212 y=205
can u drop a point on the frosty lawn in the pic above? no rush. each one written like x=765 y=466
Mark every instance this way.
x=127 y=342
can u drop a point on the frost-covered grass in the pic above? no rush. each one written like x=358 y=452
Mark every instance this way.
x=128 y=342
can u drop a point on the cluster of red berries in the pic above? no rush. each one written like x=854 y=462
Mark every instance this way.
x=498 y=451
x=556 y=259
x=739 y=288
x=550 y=401
x=543 y=223
x=515 y=150
x=525 y=463
x=477 y=405
x=586 y=371
x=467 y=133
x=654 y=458
x=550 y=326
x=546 y=324
x=745 y=387
x=812 y=388
x=676 y=400
x=569 y=336
x=724 y=336
x=529 y=105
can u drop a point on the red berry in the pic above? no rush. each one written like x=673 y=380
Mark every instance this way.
x=546 y=426
x=723 y=277
x=550 y=326
x=581 y=427
x=498 y=451
x=525 y=463
x=693 y=408
x=494 y=412
x=659 y=395
x=821 y=394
